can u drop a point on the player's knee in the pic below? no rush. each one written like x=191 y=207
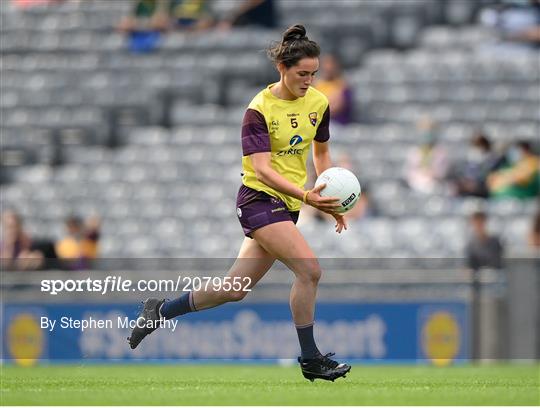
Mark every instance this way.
x=312 y=273
x=315 y=275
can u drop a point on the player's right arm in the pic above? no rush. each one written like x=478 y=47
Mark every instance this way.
x=266 y=174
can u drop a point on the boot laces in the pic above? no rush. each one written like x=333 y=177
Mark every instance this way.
x=327 y=361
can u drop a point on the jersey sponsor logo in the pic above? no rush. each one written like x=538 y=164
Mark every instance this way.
x=296 y=139
x=292 y=115
x=313 y=118
x=290 y=152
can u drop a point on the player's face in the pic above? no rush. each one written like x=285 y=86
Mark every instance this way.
x=299 y=77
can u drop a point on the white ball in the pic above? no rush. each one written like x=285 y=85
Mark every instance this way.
x=340 y=183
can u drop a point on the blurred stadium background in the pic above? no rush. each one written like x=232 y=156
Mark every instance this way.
x=148 y=141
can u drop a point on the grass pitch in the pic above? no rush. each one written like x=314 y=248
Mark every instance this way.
x=267 y=385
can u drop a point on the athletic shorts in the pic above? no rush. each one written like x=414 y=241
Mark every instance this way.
x=256 y=209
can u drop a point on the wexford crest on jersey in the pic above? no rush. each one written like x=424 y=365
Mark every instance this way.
x=313 y=118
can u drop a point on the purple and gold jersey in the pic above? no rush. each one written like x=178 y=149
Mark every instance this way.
x=286 y=129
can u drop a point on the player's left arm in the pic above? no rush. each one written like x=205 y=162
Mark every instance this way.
x=321 y=156
x=322 y=160
x=321 y=148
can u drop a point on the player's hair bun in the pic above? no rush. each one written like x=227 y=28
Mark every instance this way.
x=294 y=46
x=294 y=33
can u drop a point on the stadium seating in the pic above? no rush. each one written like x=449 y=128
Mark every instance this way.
x=151 y=142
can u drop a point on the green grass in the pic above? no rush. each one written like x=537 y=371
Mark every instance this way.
x=267 y=385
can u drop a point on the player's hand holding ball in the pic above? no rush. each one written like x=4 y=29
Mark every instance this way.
x=336 y=191
x=327 y=204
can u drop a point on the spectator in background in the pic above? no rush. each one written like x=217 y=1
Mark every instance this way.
x=191 y=15
x=147 y=16
x=333 y=84
x=534 y=235
x=80 y=245
x=471 y=175
x=16 y=245
x=517 y=23
x=260 y=13
x=520 y=179
x=483 y=250
x=427 y=164
x=150 y=18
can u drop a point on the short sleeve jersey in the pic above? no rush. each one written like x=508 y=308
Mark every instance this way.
x=286 y=129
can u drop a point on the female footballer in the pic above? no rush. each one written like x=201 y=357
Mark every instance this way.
x=282 y=123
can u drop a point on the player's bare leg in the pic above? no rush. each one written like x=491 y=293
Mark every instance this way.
x=287 y=244
x=284 y=241
x=253 y=262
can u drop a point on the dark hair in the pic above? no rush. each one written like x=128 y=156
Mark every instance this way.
x=524 y=144
x=482 y=141
x=294 y=46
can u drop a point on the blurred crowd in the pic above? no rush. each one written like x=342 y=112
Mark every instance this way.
x=517 y=24
x=74 y=251
x=195 y=15
x=151 y=19
x=489 y=170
